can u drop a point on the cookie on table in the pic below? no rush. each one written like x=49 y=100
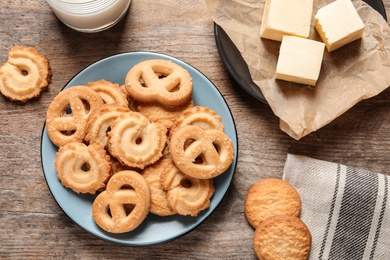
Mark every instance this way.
x=282 y=237
x=271 y=197
x=25 y=75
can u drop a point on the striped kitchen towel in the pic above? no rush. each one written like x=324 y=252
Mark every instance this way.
x=346 y=210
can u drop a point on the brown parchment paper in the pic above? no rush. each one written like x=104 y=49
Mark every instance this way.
x=357 y=71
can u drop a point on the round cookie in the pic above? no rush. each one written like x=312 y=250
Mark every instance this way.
x=99 y=123
x=136 y=142
x=83 y=168
x=185 y=194
x=282 y=237
x=25 y=75
x=271 y=197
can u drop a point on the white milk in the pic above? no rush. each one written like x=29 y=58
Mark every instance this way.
x=89 y=15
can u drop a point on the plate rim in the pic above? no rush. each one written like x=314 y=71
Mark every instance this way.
x=224 y=193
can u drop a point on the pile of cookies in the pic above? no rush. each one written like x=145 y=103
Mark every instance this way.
x=142 y=147
x=272 y=208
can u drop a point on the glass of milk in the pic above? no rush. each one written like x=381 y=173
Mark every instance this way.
x=89 y=15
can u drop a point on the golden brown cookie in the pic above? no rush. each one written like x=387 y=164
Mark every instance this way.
x=200 y=116
x=110 y=93
x=136 y=142
x=199 y=153
x=99 y=123
x=186 y=195
x=124 y=204
x=159 y=202
x=67 y=114
x=270 y=197
x=165 y=115
x=159 y=81
x=25 y=75
x=282 y=237
x=82 y=168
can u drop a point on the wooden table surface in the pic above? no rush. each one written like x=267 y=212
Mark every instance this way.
x=32 y=225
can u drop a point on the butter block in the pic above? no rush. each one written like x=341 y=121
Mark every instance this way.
x=300 y=60
x=338 y=24
x=286 y=17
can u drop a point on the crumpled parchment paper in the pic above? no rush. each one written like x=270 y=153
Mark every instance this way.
x=357 y=71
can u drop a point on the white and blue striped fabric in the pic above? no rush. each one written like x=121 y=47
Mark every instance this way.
x=346 y=210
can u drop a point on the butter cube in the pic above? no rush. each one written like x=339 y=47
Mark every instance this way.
x=286 y=17
x=299 y=60
x=338 y=24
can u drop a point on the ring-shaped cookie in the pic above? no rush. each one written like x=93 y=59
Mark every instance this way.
x=199 y=153
x=82 y=168
x=162 y=81
x=124 y=204
x=185 y=194
x=136 y=142
x=25 y=75
x=99 y=123
x=68 y=113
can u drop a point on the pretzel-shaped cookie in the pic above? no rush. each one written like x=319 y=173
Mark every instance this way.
x=199 y=153
x=25 y=75
x=136 y=142
x=162 y=81
x=68 y=113
x=124 y=204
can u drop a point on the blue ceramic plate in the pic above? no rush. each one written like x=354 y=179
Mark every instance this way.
x=154 y=229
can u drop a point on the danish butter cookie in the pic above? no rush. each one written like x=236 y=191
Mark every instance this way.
x=165 y=115
x=270 y=197
x=110 y=93
x=282 y=237
x=99 y=122
x=159 y=202
x=200 y=116
x=124 y=204
x=82 y=168
x=162 y=81
x=68 y=113
x=136 y=142
x=186 y=195
x=25 y=75
x=199 y=153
